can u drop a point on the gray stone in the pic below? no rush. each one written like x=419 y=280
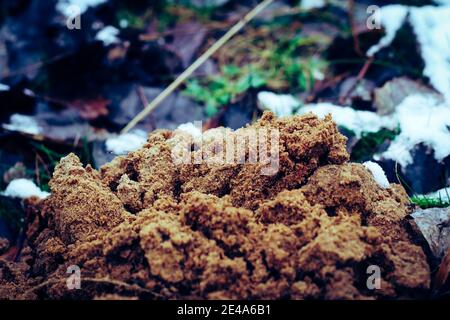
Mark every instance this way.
x=434 y=224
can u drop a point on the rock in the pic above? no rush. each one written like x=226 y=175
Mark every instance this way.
x=434 y=224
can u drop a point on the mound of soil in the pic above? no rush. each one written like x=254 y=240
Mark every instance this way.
x=145 y=227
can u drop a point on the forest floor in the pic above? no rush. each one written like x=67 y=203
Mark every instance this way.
x=381 y=70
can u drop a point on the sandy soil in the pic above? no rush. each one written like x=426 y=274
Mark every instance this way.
x=145 y=227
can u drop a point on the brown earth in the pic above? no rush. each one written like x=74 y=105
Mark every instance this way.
x=145 y=227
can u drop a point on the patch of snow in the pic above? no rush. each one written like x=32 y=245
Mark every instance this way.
x=318 y=75
x=312 y=4
x=355 y=120
x=24 y=188
x=443 y=194
x=378 y=173
x=123 y=23
x=66 y=6
x=108 y=35
x=23 y=123
x=125 y=143
x=422 y=120
x=431 y=26
x=280 y=104
x=392 y=18
x=194 y=129
x=4 y=87
x=28 y=92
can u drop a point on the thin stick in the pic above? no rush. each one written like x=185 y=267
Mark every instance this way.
x=182 y=77
x=362 y=73
x=351 y=16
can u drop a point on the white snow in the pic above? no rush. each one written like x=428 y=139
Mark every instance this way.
x=108 y=35
x=23 y=123
x=66 y=6
x=123 y=23
x=127 y=142
x=4 y=87
x=355 y=120
x=378 y=173
x=422 y=120
x=24 y=188
x=312 y=4
x=392 y=18
x=280 y=104
x=443 y=194
x=431 y=26
x=28 y=92
x=194 y=129
x=318 y=75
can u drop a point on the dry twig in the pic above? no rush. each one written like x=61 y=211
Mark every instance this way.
x=205 y=56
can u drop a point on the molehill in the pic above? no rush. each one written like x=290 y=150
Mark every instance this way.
x=145 y=227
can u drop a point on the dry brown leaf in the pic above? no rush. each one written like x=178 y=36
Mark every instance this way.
x=91 y=109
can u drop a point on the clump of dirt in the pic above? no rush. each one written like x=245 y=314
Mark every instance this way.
x=146 y=227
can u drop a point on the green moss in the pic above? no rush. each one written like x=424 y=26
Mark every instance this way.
x=222 y=89
x=279 y=66
x=426 y=202
x=134 y=20
x=369 y=143
x=51 y=159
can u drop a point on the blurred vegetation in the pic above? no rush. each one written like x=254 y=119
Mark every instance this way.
x=426 y=202
x=222 y=89
x=51 y=159
x=369 y=143
x=46 y=157
x=255 y=60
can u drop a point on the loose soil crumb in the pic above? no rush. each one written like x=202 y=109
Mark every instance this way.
x=145 y=227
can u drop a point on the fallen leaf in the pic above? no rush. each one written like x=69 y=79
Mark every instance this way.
x=187 y=39
x=393 y=92
x=118 y=52
x=91 y=109
x=15 y=172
